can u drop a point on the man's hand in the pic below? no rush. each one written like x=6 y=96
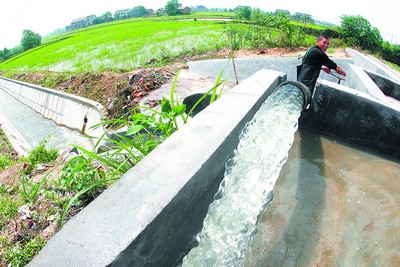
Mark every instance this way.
x=340 y=71
x=326 y=69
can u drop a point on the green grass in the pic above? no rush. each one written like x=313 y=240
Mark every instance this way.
x=8 y=206
x=120 y=45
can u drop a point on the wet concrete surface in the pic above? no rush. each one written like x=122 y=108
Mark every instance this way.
x=334 y=205
x=31 y=128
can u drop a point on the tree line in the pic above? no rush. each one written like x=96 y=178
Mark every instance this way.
x=29 y=40
x=354 y=31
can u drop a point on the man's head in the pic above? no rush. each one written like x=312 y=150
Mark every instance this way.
x=323 y=42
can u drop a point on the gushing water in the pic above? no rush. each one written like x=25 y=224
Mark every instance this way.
x=249 y=179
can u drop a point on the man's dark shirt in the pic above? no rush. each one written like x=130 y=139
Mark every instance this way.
x=312 y=63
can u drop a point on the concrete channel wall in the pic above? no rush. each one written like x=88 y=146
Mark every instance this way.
x=65 y=109
x=388 y=86
x=354 y=116
x=150 y=216
x=245 y=67
x=372 y=64
x=359 y=80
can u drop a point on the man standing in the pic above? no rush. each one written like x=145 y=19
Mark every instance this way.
x=316 y=59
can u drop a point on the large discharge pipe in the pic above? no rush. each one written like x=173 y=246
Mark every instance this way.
x=304 y=89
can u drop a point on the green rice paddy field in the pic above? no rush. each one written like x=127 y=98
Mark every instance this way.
x=121 y=45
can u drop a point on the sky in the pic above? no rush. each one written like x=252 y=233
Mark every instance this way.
x=45 y=16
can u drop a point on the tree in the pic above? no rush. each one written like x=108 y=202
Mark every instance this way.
x=256 y=14
x=6 y=52
x=172 y=8
x=358 y=31
x=106 y=17
x=243 y=13
x=30 y=39
x=139 y=11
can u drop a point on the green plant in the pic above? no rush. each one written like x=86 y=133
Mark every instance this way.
x=20 y=254
x=40 y=154
x=8 y=207
x=75 y=198
x=28 y=188
x=145 y=131
x=79 y=174
x=80 y=180
x=358 y=32
x=5 y=161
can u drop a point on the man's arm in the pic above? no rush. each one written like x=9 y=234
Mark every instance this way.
x=340 y=71
x=326 y=69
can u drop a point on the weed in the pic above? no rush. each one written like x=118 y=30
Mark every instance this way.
x=20 y=254
x=8 y=207
x=40 y=154
x=5 y=161
x=28 y=188
x=79 y=174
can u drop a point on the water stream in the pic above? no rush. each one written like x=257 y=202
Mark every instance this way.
x=247 y=187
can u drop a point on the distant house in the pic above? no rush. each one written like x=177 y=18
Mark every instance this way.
x=123 y=14
x=201 y=8
x=185 y=10
x=81 y=23
x=150 y=12
x=161 y=12
x=302 y=16
x=282 y=11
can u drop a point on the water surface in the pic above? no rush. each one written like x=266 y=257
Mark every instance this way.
x=334 y=205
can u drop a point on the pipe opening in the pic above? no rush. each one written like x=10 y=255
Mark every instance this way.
x=304 y=89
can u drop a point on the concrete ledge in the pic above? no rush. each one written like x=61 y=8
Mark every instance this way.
x=354 y=116
x=360 y=81
x=372 y=64
x=388 y=86
x=19 y=143
x=150 y=216
x=65 y=109
x=246 y=67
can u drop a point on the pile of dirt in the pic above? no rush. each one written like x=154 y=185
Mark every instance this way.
x=139 y=84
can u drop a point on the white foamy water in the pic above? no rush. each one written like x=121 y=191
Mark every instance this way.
x=249 y=180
